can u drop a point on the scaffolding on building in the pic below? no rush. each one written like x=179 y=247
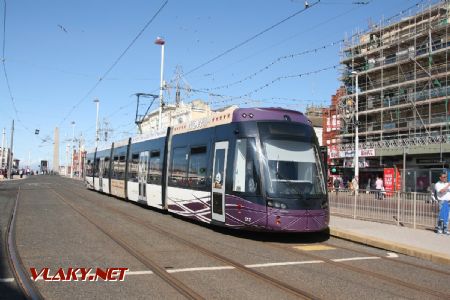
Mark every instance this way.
x=403 y=81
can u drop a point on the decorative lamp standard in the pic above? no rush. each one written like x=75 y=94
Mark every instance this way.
x=73 y=148
x=97 y=102
x=160 y=41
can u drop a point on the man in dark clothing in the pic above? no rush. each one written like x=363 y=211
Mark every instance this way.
x=336 y=184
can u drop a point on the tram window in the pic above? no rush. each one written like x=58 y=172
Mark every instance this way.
x=106 y=168
x=133 y=167
x=245 y=178
x=197 y=167
x=89 y=168
x=96 y=167
x=114 y=167
x=119 y=167
x=154 y=171
x=178 y=170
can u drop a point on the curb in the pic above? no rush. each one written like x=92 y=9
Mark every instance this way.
x=395 y=247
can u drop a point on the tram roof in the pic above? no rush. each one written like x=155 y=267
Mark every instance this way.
x=231 y=114
x=234 y=114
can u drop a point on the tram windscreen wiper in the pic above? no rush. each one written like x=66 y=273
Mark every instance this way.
x=289 y=182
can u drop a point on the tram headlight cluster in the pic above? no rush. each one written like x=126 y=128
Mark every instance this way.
x=276 y=204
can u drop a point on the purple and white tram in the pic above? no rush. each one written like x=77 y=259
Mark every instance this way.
x=245 y=168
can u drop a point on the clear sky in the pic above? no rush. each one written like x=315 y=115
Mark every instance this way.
x=245 y=52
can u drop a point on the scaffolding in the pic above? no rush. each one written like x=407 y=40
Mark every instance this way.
x=403 y=81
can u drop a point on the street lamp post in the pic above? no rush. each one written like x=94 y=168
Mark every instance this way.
x=73 y=146
x=160 y=41
x=97 y=102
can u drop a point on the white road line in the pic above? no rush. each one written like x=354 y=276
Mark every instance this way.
x=391 y=255
x=355 y=258
x=200 y=269
x=138 y=273
x=288 y=263
x=6 y=279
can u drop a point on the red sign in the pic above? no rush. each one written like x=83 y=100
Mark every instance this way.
x=389 y=186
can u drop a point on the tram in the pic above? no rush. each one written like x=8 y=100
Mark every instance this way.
x=245 y=168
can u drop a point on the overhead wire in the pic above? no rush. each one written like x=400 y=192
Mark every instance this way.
x=277 y=60
x=252 y=38
x=105 y=74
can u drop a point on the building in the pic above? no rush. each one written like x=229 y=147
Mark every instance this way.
x=4 y=156
x=175 y=114
x=396 y=79
x=315 y=115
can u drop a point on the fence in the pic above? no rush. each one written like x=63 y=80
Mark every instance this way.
x=403 y=209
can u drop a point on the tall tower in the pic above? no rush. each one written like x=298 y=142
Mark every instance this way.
x=56 y=151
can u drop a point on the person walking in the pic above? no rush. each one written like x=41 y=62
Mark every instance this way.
x=379 y=187
x=442 y=188
x=336 y=184
x=355 y=185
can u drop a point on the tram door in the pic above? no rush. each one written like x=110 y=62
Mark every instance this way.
x=218 y=182
x=101 y=168
x=142 y=175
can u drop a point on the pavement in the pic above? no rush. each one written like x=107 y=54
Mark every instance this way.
x=424 y=244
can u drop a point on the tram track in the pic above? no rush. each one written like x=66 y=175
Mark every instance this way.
x=442 y=272
x=389 y=279
x=28 y=288
x=153 y=266
x=386 y=278
x=258 y=275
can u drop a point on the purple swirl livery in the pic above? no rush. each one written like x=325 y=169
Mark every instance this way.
x=256 y=169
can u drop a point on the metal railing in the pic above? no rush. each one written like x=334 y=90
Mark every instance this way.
x=416 y=210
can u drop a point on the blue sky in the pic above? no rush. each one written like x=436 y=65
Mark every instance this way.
x=56 y=52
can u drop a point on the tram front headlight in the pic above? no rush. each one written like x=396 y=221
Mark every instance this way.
x=283 y=206
x=276 y=204
x=269 y=203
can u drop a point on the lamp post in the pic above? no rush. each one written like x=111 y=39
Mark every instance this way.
x=354 y=73
x=73 y=146
x=160 y=41
x=97 y=102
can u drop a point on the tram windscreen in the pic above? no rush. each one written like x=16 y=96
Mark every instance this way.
x=293 y=165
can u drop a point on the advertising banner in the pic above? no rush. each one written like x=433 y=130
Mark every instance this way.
x=389 y=186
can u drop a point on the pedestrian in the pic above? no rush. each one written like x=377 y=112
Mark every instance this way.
x=355 y=185
x=368 y=185
x=379 y=187
x=336 y=184
x=442 y=188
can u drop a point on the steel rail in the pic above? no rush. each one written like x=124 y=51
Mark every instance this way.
x=27 y=286
x=159 y=271
x=390 y=259
x=275 y=282
x=386 y=278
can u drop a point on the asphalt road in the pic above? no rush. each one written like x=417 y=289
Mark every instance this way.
x=60 y=224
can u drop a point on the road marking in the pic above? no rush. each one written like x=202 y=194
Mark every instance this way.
x=219 y=268
x=200 y=269
x=392 y=255
x=139 y=273
x=355 y=258
x=6 y=279
x=288 y=263
x=314 y=247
